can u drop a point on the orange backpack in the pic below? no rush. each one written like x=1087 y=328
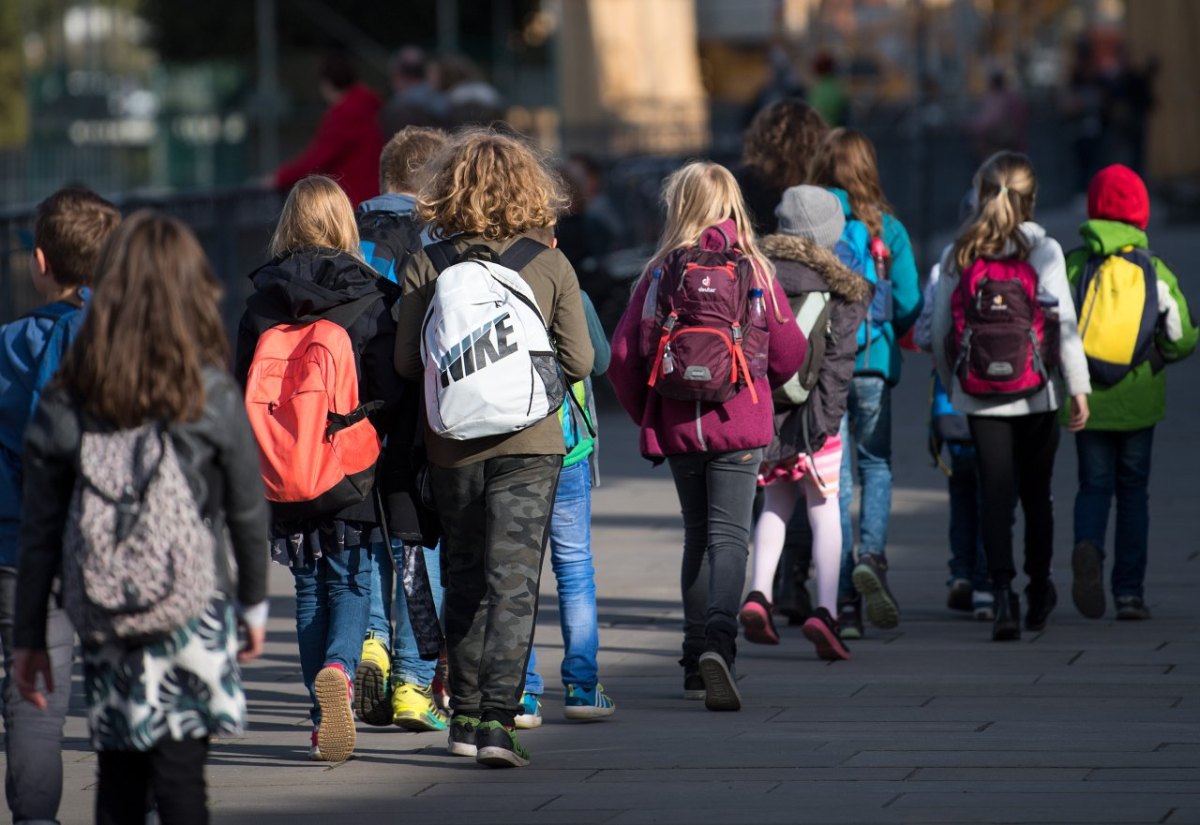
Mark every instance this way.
x=317 y=448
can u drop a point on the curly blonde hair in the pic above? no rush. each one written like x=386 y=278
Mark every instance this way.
x=316 y=213
x=489 y=184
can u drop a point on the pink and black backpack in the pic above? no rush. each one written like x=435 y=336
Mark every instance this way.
x=1002 y=342
x=699 y=336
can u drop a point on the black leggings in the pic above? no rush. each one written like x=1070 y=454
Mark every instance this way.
x=172 y=775
x=1016 y=459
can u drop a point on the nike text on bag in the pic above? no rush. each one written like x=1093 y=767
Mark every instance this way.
x=317 y=447
x=490 y=367
x=999 y=338
x=138 y=558
x=705 y=340
x=812 y=311
x=1117 y=297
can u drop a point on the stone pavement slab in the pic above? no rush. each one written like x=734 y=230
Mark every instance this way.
x=1086 y=722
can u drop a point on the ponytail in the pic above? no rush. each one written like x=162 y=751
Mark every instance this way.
x=1005 y=188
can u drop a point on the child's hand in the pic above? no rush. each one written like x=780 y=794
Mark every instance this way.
x=1079 y=413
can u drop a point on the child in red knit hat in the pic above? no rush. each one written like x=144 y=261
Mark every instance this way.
x=1133 y=320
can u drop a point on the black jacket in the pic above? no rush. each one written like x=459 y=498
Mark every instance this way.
x=219 y=458
x=307 y=285
x=801 y=267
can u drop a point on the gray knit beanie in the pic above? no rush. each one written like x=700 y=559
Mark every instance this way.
x=811 y=212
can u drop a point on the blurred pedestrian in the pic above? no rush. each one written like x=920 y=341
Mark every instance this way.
x=346 y=145
x=1001 y=122
x=827 y=96
x=71 y=228
x=415 y=99
x=777 y=149
x=145 y=403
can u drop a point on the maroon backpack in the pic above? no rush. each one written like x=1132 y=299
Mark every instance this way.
x=701 y=340
x=1001 y=341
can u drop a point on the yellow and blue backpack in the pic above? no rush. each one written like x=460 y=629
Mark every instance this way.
x=1117 y=301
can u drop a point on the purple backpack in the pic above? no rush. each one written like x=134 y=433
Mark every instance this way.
x=702 y=341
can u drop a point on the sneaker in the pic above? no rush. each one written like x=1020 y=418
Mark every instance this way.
x=850 y=625
x=1132 y=609
x=461 y=741
x=870 y=579
x=1087 y=589
x=370 y=683
x=530 y=716
x=497 y=747
x=335 y=697
x=958 y=596
x=441 y=682
x=983 y=603
x=720 y=688
x=757 y=624
x=582 y=704
x=822 y=631
x=413 y=709
x=314 y=750
x=693 y=685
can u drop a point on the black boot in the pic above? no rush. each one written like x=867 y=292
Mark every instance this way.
x=1040 y=599
x=1006 y=627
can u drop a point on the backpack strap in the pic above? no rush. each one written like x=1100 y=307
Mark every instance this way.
x=442 y=255
x=520 y=253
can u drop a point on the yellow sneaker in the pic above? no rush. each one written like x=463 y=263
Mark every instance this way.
x=413 y=709
x=371 y=684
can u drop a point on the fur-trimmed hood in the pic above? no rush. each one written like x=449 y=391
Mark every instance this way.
x=841 y=280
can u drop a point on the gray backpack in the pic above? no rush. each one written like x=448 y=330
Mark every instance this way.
x=138 y=558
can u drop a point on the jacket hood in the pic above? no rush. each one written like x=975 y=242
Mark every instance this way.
x=840 y=278
x=714 y=238
x=311 y=282
x=844 y=198
x=1104 y=237
x=360 y=100
x=399 y=203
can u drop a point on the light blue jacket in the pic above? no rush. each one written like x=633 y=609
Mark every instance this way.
x=906 y=299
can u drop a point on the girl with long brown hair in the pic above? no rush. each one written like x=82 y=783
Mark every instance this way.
x=846 y=165
x=713 y=448
x=150 y=356
x=777 y=149
x=1015 y=440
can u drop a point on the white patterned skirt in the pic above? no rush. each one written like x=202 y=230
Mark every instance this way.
x=186 y=686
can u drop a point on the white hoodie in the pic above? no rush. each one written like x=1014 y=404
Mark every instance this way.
x=1046 y=257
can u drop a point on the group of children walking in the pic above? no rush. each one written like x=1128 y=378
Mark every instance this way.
x=409 y=421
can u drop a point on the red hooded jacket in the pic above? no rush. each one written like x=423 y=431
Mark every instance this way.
x=346 y=147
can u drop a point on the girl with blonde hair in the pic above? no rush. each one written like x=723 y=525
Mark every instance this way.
x=317 y=273
x=713 y=448
x=489 y=194
x=1015 y=440
x=846 y=165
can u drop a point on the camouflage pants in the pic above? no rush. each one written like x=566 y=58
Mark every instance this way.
x=495 y=516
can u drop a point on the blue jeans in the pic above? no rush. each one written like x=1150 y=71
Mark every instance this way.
x=333 y=598
x=867 y=436
x=389 y=618
x=1116 y=463
x=967 y=558
x=571 y=559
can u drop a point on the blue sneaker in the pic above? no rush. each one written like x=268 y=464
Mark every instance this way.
x=588 y=704
x=530 y=716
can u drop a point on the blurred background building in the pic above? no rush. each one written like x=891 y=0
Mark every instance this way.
x=184 y=104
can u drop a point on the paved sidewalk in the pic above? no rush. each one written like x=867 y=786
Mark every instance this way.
x=1089 y=722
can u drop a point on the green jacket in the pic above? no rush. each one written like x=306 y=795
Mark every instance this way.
x=1140 y=399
